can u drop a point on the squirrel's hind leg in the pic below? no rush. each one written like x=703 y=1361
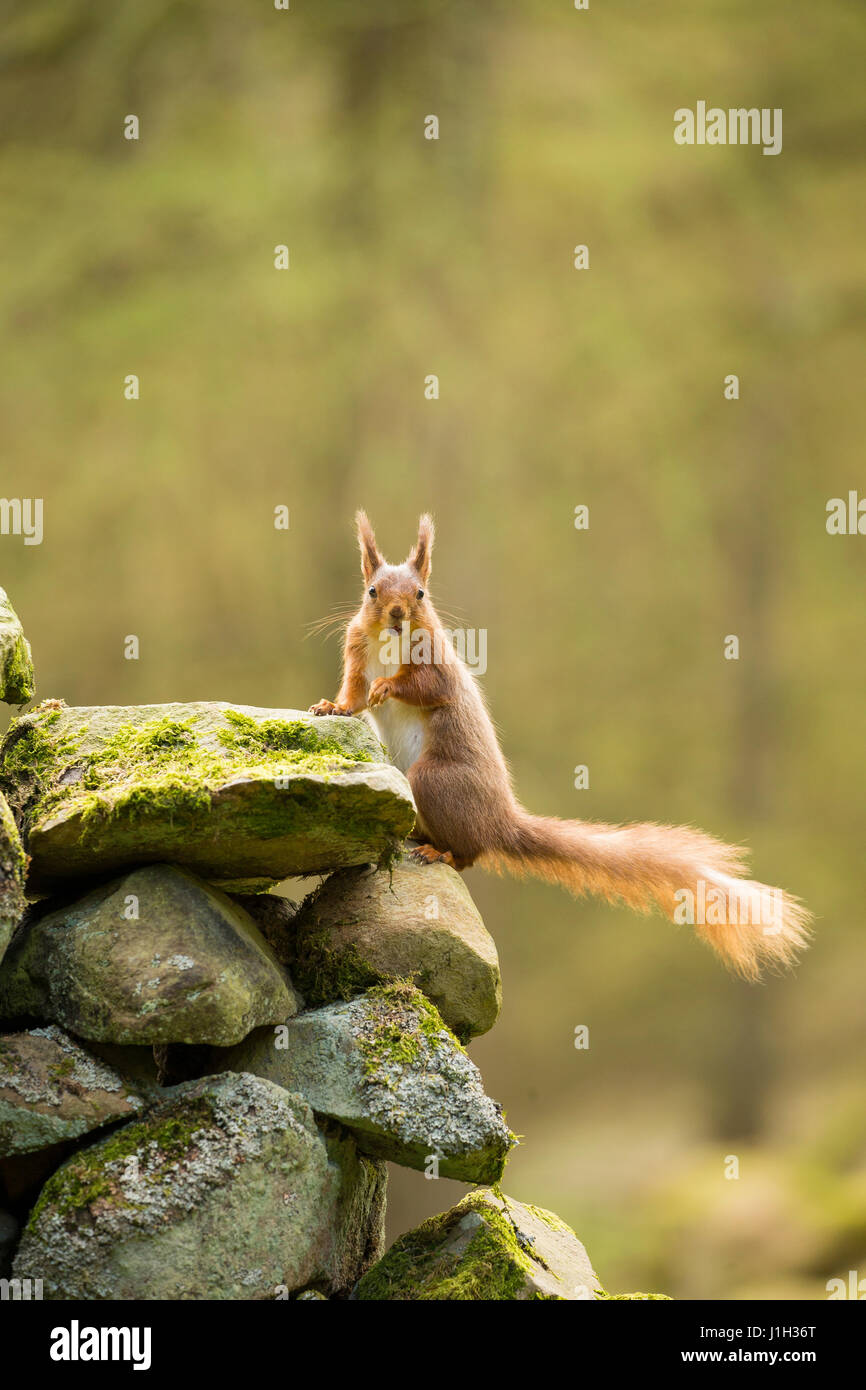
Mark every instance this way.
x=429 y=854
x=446 y=795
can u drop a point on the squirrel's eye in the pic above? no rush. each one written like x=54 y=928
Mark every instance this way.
x=420 y=593
x=372 y=593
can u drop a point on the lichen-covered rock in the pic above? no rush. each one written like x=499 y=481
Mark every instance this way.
x=227 y=1189
x=414 y=921
x=488 y=1247
x=13 y=868
x=157 y=956
x=52 y=1090
x=244 y=797
x=17 y=682
x=387 y=1068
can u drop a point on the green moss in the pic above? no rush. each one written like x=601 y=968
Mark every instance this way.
x=351 y=812
x=288 y=739
x=16 y=675
x=18 y=680
x=391 y=1045
x=403 y=993
x=491 y=1267
x=175 y=773
x=84 y=1179
x=171 y=773
x=30 y=760
x=405 y=1019
x=391 y=857
x=550 y=1219
x=324 y=975
x=13 y=860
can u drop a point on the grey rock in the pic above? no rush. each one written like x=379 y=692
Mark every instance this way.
x=412 y=921
x=52 y=1090
x=388 y=1069
x=226 y=1190
x=191 y=967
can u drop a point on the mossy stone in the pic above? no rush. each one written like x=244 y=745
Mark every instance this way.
x=155 y=957
x=226 y=1190
x=51 y=1090
x=17 y=681
x=411 y=921
x=488 y=1247
x=385 y=1066
x=13 y=864
x=244 y=797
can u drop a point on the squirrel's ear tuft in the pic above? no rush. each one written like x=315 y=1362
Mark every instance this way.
x=421 y=558
x=370 y=556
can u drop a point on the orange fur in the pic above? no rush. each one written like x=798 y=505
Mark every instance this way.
x=433 y=712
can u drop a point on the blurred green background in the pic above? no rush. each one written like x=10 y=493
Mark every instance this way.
x=558 y=387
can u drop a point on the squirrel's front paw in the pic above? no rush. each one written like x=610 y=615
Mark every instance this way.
x=380 y=691
x=328 y=707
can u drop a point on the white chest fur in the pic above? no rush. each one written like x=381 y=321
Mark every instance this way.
x=401 y=727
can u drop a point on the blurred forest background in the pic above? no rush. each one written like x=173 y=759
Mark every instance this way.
x=558 y=387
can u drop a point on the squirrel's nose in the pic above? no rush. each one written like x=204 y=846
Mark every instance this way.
x=397 y=614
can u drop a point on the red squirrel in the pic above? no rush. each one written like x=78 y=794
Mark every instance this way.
x=430 y=714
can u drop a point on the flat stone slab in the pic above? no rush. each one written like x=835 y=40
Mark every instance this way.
x=155 y=957
x=17 y=682
x=244 y=797
x=13 y=871
x=388 y=1069
x=411 y=921
x=52 y=1090
x=488 y=1247
x=226 y=1190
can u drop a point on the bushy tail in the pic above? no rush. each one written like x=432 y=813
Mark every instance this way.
x=690 y=876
